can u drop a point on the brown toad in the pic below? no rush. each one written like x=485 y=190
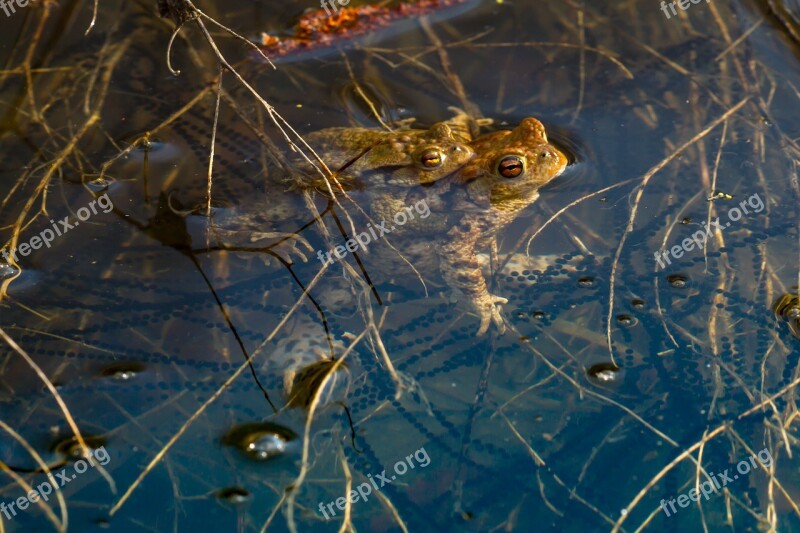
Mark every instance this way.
x=470 y=207
x=361 y=157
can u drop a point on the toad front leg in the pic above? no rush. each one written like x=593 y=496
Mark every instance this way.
x=461 y=270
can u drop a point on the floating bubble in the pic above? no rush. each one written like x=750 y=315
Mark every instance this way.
x=155 y=150
x=7 y=270
x=604 y=372
x=123 y=371
x=98 y=185
x=70 y=448
x=260 y=441
x=679 y=281
x=234 y=495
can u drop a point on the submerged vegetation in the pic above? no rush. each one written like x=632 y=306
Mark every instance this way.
x=235 y=381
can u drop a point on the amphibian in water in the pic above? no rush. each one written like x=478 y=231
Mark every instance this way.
x=470 y=207
x=472 y=191
x=363 y=157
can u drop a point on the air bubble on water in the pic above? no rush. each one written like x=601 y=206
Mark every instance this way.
x=7 y=270
x=604 y=372
x=70 y=448
x=265 y=445
x=98 y=185
x=123 y=371
x=626 y=320
x=679 y=281
x=234 y=495
x=155 y=150
x=260 y=441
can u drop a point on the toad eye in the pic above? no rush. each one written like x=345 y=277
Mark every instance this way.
x=431 y=159
x=511 y=166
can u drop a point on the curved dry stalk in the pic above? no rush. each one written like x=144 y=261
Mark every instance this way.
x=535 y=456
x=771 y=471
x=200 y=410
x=59 y=337
x=566 y=208
x=657 y=284
x=634 y=210
x=581 y=63
x=151 y=133
x=62 y=157
x=48 y=511
x=347 y=524
x=787 y=388
x=50 y=387
x=245 y=40
x=539 y=463
x=305 y=463
x=94 y=18
x=683 y=455
x=526 y=390
x=599 y=51
x=209 y=177
x=592 y=393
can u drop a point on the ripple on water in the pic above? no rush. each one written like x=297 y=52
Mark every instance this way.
x=99 y=184
x=260 y=441
x=70 y=449
x=154 y=150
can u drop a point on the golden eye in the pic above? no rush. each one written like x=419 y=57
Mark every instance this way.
x=431 y=159
x=511 y=166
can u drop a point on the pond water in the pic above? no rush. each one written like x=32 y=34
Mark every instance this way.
x=646 y=377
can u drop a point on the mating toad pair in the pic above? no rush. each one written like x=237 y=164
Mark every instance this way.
x=474 y=187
